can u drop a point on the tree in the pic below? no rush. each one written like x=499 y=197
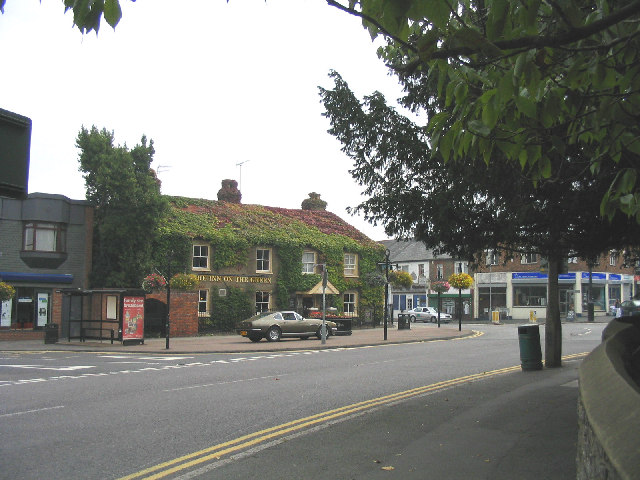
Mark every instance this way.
x=528 y=80
x=466 y=208
x=128 y=206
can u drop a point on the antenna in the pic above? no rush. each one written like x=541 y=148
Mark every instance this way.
x=162 y=168
x=240 y=165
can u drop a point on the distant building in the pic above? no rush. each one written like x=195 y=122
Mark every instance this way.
x=45 y=246
x=425 y=267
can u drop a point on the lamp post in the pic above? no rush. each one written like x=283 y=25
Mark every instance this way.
x=324 y=303
x=168 y=319
x=387 y=266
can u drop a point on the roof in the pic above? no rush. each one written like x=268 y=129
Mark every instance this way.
x=409 y=251
x=199 y=216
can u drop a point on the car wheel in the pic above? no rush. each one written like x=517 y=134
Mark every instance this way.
x=412 y=318
x=255 y=338
x=434 y=319
x=273 y=334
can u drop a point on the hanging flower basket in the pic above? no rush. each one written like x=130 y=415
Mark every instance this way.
x=153 y=282
x=460 y=280
x=6 y=292
x=184 y=281
x=400 y=279
x=440 y=286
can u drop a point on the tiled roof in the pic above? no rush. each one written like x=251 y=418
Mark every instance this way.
x=409 y=251
x=240 y=216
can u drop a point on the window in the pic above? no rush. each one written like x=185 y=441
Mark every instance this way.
x=461 y=267
x=349 y=303
x=439 y=271
x=613 y=259
x=421 y=270
x=262 y=302
x=263 y=260
x=350 y=265
x=529 y=296
x=203 y=303
x=572 y=260
x=308 y=262
x=200 y=257
x=528 y=258
x=492 y=257
x=44 y=237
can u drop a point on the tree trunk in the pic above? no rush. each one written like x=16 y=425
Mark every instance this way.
x=553 y=327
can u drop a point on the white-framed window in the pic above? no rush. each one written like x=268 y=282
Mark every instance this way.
x=462 y=267
x=404 y=268
x=349 y=303
x=200 y=257
x=203 y=303
x=572 y=260
x=529 y=258
x=409 y=303
x=613 y=259
x=492 y=257
x=439 y=271
x=421 y=270
x=350 y=265
x=308 y=262
x=44 y=237
x=263 y=260
x=262 y=302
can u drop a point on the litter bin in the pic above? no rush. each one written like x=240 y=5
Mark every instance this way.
x=530 y=351
x=51 y=333
x=404 y=322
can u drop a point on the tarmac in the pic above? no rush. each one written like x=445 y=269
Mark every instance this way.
x=519 y=425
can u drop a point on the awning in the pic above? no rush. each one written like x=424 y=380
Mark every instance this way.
x=317 y=290
x=36 y=277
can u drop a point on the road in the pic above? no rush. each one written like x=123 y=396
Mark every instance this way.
x=311 y=414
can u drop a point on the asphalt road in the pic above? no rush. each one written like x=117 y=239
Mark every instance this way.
x=335 y=413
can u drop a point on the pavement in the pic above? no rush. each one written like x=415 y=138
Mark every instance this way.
x=517 y=425
x=232 y=343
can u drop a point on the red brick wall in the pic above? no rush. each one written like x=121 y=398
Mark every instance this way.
x=184 y=312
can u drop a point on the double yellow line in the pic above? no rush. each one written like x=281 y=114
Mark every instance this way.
x=215 y=452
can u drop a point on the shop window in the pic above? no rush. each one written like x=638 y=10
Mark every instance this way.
x=349 y=303
x=262 y=302
x=350 y=265
x=44 y=237
x=200 y=257
x=308 y=262
x=203 y=303
x=263 y=260
x=529 y=296
x=529 y=258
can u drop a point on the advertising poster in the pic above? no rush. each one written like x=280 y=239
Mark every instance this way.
x=43 y=309
x=5 y=320
x=133 y=318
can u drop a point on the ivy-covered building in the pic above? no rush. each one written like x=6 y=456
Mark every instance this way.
x=252 y=258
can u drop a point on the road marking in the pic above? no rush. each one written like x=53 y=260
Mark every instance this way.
x=42 y=367
x=15 y=414
x=205 y=385
x=244 y=442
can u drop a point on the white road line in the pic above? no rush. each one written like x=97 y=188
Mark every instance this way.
x=15 y=414
x=276 y=377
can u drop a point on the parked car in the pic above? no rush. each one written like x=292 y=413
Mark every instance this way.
x=275 y=325
x=427 y=314
x=630 y=307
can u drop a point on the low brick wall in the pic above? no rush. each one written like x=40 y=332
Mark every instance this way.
x=609 y=409
x=8 y=335
x=184 y=312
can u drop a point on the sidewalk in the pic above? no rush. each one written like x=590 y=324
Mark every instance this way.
x=233 y=343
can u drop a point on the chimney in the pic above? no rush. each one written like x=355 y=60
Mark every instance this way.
x=314 y=202
x=229 y=192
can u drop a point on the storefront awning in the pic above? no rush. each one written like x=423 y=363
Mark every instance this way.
x=317 y=290
x=36 y=277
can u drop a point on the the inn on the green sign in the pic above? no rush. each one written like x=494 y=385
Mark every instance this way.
x=253 y=258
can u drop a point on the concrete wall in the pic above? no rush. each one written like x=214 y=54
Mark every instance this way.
x=609 y=409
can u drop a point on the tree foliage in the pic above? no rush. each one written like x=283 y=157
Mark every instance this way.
x=525 y=80
x=128 y=206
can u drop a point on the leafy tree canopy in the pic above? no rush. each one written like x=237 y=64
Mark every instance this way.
x=128 y=206
x=525 y=80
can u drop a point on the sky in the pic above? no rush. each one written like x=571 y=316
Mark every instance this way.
x=213 y=84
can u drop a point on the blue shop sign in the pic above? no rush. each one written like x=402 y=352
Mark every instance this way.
x=594 y=276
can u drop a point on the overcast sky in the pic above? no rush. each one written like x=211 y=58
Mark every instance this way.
x=212 y=83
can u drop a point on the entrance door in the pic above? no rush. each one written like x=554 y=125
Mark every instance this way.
x=566 y=301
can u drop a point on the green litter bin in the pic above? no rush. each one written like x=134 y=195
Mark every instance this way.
x=530 y=350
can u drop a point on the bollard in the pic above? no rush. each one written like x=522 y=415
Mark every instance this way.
x=530 y=350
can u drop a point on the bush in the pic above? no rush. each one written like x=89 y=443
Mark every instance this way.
x=184 y=281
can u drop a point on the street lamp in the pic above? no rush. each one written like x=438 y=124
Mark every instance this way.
x=387 y=266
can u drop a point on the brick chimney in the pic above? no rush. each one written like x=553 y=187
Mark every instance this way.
x=229 y=192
